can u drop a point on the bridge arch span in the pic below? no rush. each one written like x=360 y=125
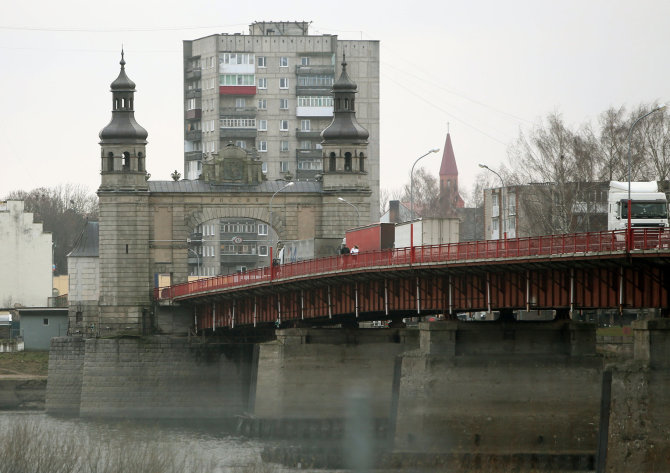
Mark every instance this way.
x=258 y=212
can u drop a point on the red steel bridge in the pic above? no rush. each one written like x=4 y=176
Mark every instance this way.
x=610 y=269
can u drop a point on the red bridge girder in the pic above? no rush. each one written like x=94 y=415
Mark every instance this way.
x=581 y=271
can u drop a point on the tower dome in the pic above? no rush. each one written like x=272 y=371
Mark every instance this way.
x=123 y=128
x=344 y=127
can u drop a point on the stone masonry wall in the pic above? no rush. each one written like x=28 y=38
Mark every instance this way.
x=639 y=425
x=314 y=373
x=163 y=377
x=504 y=389
x=66 y=361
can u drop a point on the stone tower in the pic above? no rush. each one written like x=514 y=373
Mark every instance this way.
x=125 y=292
x=345 y=141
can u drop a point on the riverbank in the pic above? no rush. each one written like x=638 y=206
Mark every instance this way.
x=23 y=380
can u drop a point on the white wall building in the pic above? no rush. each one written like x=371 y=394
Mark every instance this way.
x=25 y=258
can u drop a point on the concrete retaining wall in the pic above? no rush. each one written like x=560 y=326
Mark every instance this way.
x=497 y=388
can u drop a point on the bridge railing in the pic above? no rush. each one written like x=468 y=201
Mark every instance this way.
x=513 y=248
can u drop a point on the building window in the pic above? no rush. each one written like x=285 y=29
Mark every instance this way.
x=283 y=82
x=316 y=81
x=263 y=146
x=305 y=125
x=262 y=229
x=305 y=144
x=283 y=104
x=283 y=145
x=261 y=61
x=262 y=83
x=237 y=123
x=236 y=58
x=264 y=168
x=237 y=79
x=283 y=125
x=262 y=250
x=262 y=104
x=262 y=125
x=315 y=101
x=304 y=61
x=347 y=161
x=332 y=166
x=241 y=144
x=310 y=165
x=45 y=321
x=361 y=162
x=284 y=166
x=283 y=61
x=240 y=102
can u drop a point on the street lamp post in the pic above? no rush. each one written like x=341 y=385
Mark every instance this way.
x=502 y=198
x=289 y=184
x=358 y=214
x=411 y=202
x=629 y=232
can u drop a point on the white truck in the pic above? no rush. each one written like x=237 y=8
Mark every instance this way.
x=649 y=206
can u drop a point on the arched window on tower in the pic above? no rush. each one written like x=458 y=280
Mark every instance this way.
x=337 y=105
x=361 y=162
x=347 y=161
x=116 y=104
x=332 y=166
x=140 y=162
x=110 y=161
x=352 y=104
x=346 y=104
x=125 y=161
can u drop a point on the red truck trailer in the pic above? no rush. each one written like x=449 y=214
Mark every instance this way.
x=377 y=236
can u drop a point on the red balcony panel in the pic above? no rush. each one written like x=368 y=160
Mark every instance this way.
x=237 y=90
x=195 y=113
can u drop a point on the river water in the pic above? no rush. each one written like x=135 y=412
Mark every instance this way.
x=228 y=453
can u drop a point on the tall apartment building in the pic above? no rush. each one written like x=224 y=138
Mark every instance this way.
x=270 y=91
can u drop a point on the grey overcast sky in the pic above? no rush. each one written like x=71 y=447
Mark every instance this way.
x=488 y=68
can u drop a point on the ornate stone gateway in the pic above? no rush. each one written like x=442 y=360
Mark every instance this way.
x=153 y=233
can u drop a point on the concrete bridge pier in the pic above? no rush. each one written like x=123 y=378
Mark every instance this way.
x=310 y=378
x=639 y=422
x=501 y=389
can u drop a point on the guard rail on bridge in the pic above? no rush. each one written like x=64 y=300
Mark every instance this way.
x=596 y=243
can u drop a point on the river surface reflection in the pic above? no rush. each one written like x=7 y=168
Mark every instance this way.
x=230 y=454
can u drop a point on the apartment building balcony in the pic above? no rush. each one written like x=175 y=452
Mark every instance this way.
x=193 y=155
x=237 y=90
x=227 y=112
x=233 y=133
x=313 y=89
x=192 y=74
x=193 y=114
x=308 y=154
x=315 y=70
x=193 y=94
x=193 y=135
x=314 y=111
x=307 y=134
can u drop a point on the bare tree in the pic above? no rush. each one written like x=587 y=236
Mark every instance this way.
x=426 y=195
x=612 y=145
x=63 y=211
x=653 y=138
